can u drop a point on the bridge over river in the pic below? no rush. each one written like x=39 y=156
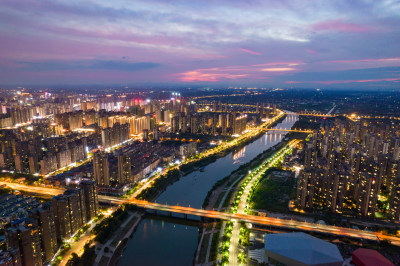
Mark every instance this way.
x=259 y=220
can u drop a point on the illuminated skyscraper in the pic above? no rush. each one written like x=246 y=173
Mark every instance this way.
x=239 y=124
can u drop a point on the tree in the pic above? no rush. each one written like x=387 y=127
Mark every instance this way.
x=73 y=260
x=241 y=258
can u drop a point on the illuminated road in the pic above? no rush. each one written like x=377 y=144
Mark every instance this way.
x=34 y=189
x=78 y=246
x=268 y=221
x=241 y=205
x=352 y=117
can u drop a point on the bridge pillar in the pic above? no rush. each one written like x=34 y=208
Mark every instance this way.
x=185 y=216
x=170 y=214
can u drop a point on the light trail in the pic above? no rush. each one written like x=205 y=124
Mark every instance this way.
x=259 y=220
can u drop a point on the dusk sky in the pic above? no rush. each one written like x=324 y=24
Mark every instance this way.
x=342 y=44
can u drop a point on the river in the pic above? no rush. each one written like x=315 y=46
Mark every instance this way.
x=157 y=242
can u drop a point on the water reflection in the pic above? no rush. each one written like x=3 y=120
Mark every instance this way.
x=159 y=243
x=239 y=154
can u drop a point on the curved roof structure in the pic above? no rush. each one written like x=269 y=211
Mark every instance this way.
x=369 y=257
x=301 y=249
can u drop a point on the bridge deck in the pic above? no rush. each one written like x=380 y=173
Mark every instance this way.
x=267 y=221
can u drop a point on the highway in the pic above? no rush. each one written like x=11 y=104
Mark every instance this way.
x=34 y=189
x=259 y=220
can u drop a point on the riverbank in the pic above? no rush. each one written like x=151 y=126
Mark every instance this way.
x=231 y=251
x=109 y=252
x=123 y=241
x=211 y=203
x=221 y=195
x=223 y=191
x=242 y=170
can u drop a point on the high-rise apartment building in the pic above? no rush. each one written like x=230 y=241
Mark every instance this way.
x=90 y=117
x=353 y=162
x=101 y=169
x=305 y=188
x=90 y=198
x=76 y=208
x=45 y=217
x=61 y=217
x=25 y=238
x=124 y=169
x=239 y=124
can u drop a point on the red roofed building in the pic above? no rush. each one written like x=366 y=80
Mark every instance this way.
x=369 y=257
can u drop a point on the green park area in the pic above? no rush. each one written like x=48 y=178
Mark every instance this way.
x=273 y=192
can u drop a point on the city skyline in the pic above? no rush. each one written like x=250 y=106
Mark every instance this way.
x=287 y=44
x=85 y=174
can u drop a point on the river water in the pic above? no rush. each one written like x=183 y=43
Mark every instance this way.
x=157 y=242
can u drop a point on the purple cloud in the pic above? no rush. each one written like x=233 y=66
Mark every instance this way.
x=251 y=42
x=249 y=51
x=329 y=82
x=339 y=25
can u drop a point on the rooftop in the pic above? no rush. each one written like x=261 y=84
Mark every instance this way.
x=369 y=257
x=302 y=248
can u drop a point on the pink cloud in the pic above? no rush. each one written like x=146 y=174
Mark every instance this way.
x=195 y=76
x=258 y=71
x=284 y=63
x=384 y=60
x=310 y=51
x=249 y=51
x=328 y=82
x=339 y=25
x=278 y=69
